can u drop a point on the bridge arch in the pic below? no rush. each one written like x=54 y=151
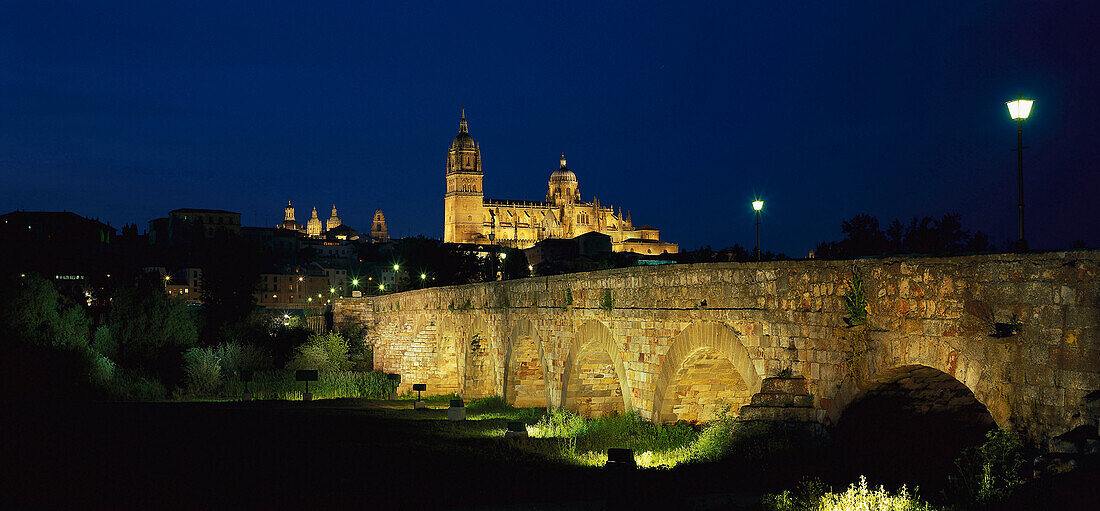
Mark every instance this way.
x=594 y=382
x=910 y=412
x=525 y=367
x=705 y=367
x=888 y=354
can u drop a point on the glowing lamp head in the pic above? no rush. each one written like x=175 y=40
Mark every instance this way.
x=758 y=205
x=503 y=256
x=423 y=276
x=1019 y=109
x=332 y=290
x=396 y=267
x=355 y=282
x=381 y=287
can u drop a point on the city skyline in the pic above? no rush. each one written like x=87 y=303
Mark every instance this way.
x=124 y=113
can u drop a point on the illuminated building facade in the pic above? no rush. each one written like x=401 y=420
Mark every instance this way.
x=469 y=217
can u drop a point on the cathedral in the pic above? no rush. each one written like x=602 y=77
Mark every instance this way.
x=471 y=218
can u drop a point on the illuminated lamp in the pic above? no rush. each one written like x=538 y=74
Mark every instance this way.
x=1019 y=109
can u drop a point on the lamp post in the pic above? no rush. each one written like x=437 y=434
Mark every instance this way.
x=758 y=205
x=1019 y=109
x=396 y=278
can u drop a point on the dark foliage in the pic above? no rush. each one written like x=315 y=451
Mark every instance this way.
x=863 y=237
x=231 y=268
x=733 y=254
x=151 y=329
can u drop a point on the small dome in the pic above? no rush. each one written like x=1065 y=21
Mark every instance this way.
x=463 y=141
x=563 y=174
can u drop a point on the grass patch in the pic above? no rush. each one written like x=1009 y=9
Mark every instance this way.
x=585 y=441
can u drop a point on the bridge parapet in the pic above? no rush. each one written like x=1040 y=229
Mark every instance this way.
x=1020 y=333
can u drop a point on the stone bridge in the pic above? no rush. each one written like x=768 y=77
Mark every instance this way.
x=1016 y=338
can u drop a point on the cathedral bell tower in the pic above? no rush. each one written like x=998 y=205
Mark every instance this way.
x=462 y=204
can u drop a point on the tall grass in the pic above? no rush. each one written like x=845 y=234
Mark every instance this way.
x=280 y=384
x=585 y=441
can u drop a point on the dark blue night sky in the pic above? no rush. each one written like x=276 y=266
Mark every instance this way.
x=679 y=112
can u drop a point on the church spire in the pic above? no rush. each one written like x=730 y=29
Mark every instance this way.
x=462 y=124
x=563 y=159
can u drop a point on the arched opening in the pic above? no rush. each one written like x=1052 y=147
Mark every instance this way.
x=908 y=426
x=705 y=385
x=705 y=369
x=593 y=383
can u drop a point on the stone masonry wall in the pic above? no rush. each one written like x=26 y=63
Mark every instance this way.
x=1022 y=332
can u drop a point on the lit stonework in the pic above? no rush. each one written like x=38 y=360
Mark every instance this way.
x=378 y=230
x=288 y=219
x=313 y=227
x=333 y=221
x=471 y=218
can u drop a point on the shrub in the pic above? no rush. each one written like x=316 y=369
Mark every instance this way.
x=855 y=302
x=134 y=386
x=323 y=352
x=987 y=473
x=203 y=372
x=103 y=343
x=607 y=302
x=235 y=356
x=854 y=498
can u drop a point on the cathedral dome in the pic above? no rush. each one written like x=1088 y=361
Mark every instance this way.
x=563 y=174
x=563 y=186
x=463 y=141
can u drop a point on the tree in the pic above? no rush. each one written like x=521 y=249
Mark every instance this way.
x=862 y=236
x=151 y=329
x=230 y=273
x=926 y=235
x=46 y=341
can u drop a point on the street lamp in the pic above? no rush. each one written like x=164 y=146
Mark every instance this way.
x=355 y=282
x=1019 y=109
x=757 y=205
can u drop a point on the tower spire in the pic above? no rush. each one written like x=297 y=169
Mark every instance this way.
x=462 y=124
x=563 y=159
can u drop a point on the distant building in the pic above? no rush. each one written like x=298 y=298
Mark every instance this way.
x=58 y=244
x=333 y=220
x=590 y=244
x=54 y=227
x=332 y=229
x=313 y=226
x=185 y=227
x=469 y=217
x=294 y=288
x=288 y=222
x=205 y=222
x=378 y=230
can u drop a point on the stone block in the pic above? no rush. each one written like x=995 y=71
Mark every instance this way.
x=784 y=385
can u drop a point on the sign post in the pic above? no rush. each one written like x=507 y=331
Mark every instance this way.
x=418 y=404
x=306 y=375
